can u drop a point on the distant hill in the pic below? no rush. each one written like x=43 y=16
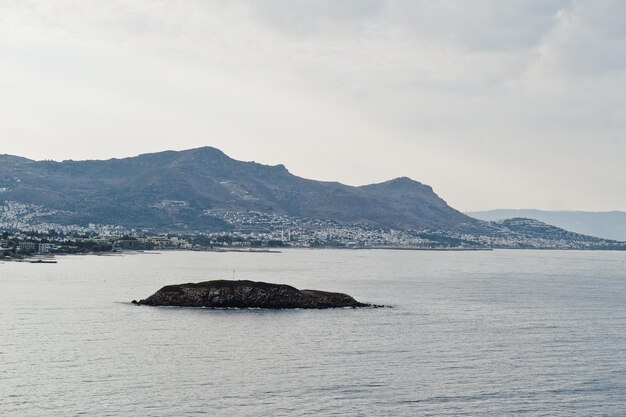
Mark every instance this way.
x=607 y=225
x=173 y=191
x=526 y=233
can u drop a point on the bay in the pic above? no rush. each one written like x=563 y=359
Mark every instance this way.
x=528 y=333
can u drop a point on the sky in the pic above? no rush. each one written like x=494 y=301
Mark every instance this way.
x=495 y=104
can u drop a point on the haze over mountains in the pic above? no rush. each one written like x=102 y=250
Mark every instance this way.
x=608 y=225
x=173 y=190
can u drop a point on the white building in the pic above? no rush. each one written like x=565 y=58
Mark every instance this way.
x=45 y=247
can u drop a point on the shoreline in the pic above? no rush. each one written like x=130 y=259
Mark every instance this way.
x=53 y=258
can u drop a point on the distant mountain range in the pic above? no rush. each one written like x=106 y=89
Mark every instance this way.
x=607 y=225
x=173 y=191
x=203 y=190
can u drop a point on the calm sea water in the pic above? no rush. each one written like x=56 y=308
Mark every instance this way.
x=526 y=333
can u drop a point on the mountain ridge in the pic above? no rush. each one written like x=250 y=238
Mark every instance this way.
x=203 y=191
x=135 y=191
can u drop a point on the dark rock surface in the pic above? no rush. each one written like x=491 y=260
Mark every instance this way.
x=246 y=294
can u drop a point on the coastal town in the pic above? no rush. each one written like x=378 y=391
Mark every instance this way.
x=25 y=233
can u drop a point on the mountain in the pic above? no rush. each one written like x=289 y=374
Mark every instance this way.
x=607 y=225
x=183 y=191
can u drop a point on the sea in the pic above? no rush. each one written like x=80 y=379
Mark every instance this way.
x=484 y=333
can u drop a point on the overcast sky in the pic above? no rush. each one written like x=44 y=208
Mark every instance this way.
x=516 y=104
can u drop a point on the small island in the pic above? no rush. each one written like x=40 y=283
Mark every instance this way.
x=247 y=294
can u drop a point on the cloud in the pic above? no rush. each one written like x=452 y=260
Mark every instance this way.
x=511 y=96
x=591 y=37
x=479 y=25
x=301 y=17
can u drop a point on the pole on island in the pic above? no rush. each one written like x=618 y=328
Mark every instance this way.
x=233 y=274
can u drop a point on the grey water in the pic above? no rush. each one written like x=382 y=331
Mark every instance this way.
x=524 y=333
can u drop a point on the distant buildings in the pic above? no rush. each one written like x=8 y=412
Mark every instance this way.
x=28 y=247
x=45 y=247
x=28 y=233
x=35 y=247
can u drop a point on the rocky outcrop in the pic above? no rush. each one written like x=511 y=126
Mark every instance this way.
x=246 y=294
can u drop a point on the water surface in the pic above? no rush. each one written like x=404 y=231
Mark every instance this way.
x=528 y=333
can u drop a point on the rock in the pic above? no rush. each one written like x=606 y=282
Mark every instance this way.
x=246 y=294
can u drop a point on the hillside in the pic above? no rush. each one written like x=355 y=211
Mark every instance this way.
x=522 y=233
x=607 y=225
x=182 y=191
